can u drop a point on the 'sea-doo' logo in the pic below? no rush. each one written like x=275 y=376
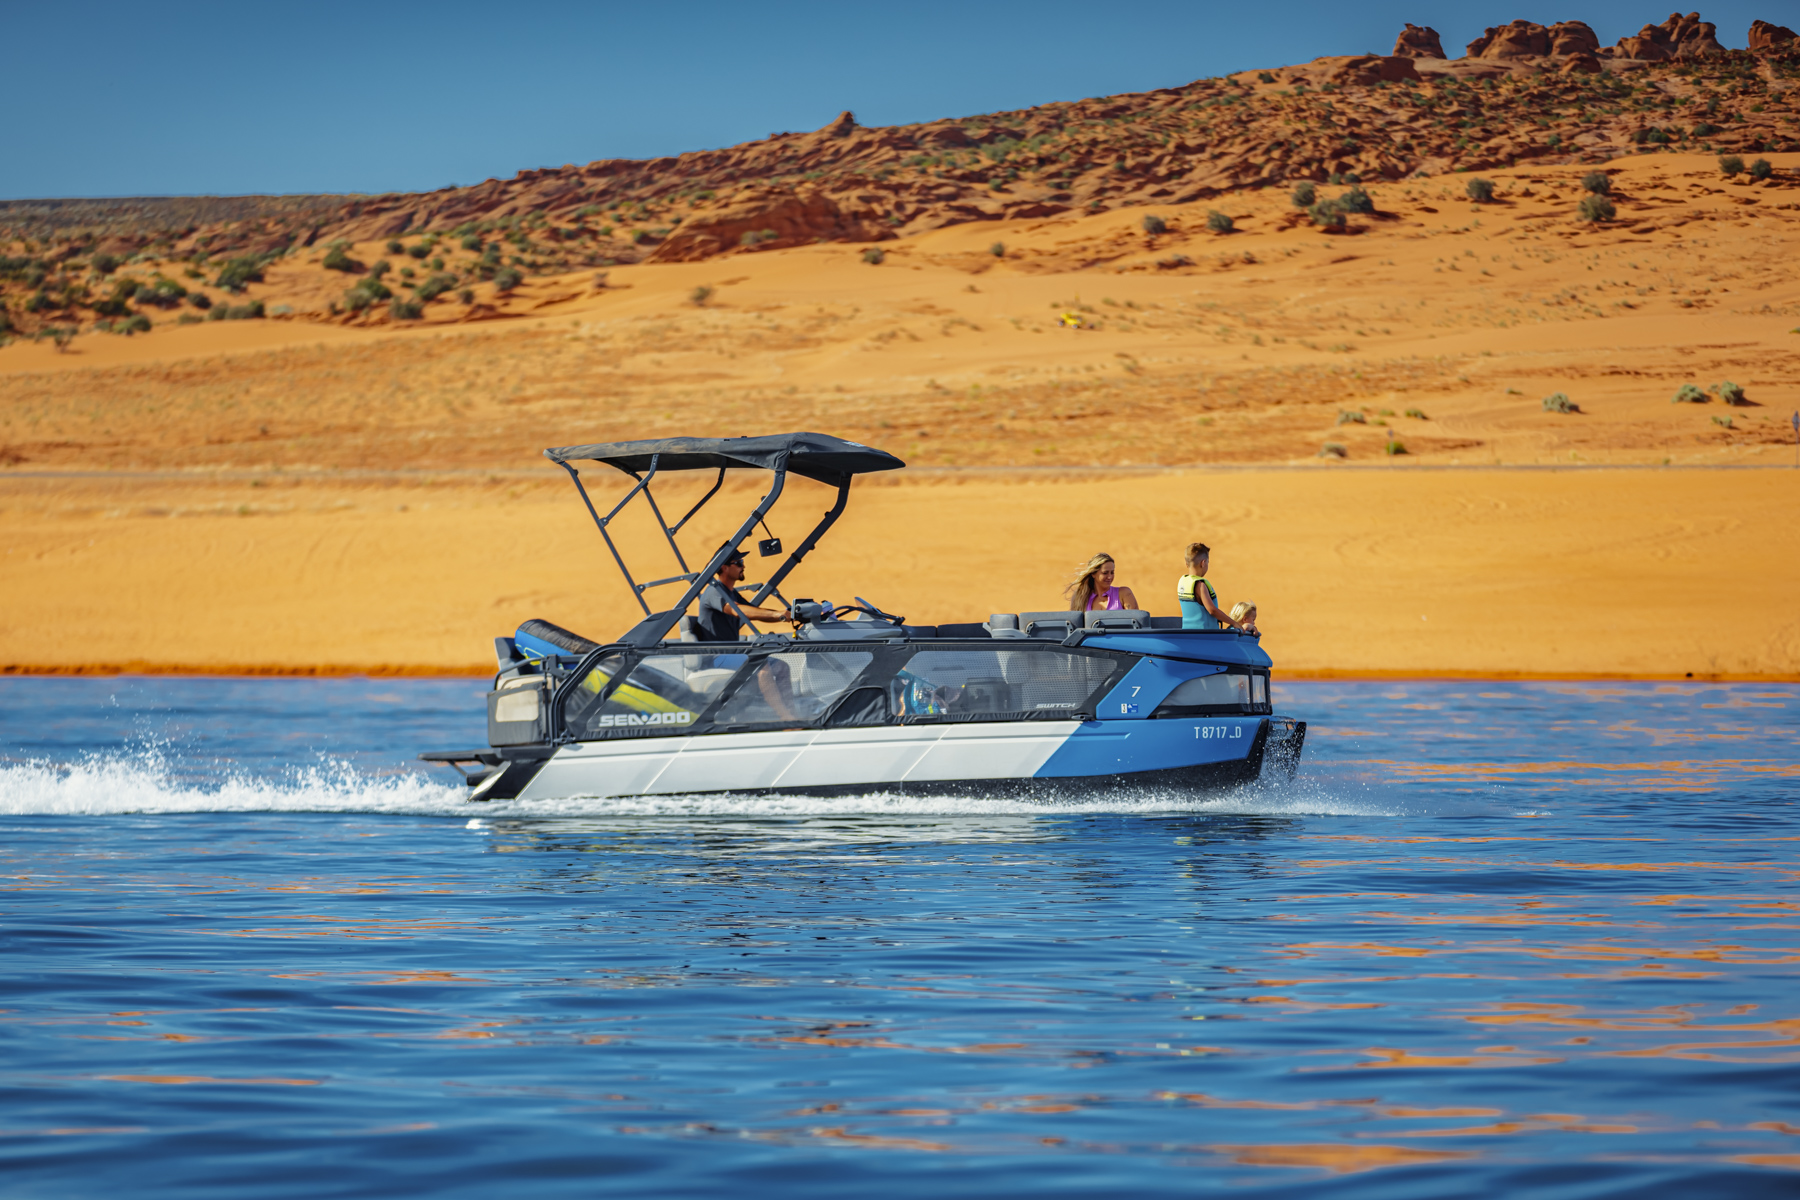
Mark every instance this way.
x=633 y=720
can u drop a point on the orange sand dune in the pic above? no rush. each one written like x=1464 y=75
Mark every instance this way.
x=350 y=496
x=1618 y=572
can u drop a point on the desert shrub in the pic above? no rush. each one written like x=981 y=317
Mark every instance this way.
x=240 y=312
x=189 y=319
x=1480 y=190
x=1559 y=402
x=436 y=286
x=699 y=296
x=1357 y=201
x=1722 y=421
x=1327 y=215
x=238 y=272
x=402 y=309
x=1171 y=262
x=422 y=250
x=1333 y=450
x=38 y=303
x=756 y=237
x=1597 y=182
x=1731 y=164
x=1264 y=77
x=467 y=295
x=874 y=256
x=337 y=258
x=136 y=323
x=1394 y=446
x=998 y=249
x=472 y=243
x=1596 y=208
x=1219 y=222
x=1705 y=130
x=1349 y=416
x=1688 y=394
x=200 y=300
x=1305 y=196
x=407 y=273
x=436 y=264
x=640 y=236
x=104 y=264
x=1731 y=393
x=1154 y=224
x=365 y=293
x=1761 y=169
x=507 y=278
x=379 y=269
x=164 y=293
x=396 y=246
x=1417 y=414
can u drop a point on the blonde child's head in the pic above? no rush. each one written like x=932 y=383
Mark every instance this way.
x=1244 y=610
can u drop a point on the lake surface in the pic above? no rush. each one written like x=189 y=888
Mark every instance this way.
x=1495 y=938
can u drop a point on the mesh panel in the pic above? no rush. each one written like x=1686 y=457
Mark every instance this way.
x=973 y=683
x=793 y=688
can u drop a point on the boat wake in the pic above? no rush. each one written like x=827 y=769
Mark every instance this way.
x=148 y=781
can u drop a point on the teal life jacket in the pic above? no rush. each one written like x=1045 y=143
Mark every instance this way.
x=1193 y=613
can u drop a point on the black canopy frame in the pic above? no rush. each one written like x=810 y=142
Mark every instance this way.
x=816 y=456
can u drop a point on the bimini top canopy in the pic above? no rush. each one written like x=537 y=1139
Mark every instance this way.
x=817 y=456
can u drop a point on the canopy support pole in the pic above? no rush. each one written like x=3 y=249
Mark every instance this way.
x=805 y=547
x=601 y=523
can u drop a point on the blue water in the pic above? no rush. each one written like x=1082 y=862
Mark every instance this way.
x=1495 y=939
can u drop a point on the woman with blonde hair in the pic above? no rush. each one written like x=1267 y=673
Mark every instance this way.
x=1093 y=587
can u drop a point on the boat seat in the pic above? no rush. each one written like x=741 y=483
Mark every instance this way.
x=1056 y=625
x=686 y=626
x=1117 y=618
x=1003 y=625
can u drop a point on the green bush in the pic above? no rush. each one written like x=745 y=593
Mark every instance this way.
x=396 y=246
x=136 y=323
x=1705 y=130
x=507 y=278
x=1417 y=414
x=874 y=256
x=1349 y=416
x=1597 y=182
x=1480 y=190
x=1327 y=215
x=1688 y=394
x=699 y=296
x=366 y=292
x=467 y=295
x=422 y=250
x=1596 y=208
x=238 y=272
x=402 y=309
x=1305 y=196
x=1219 y=222
x=1357 y=201
x=1333 y=450
x=164 y=293
x=436 y=286
x=1731 y=164
x=379 y=269
x=1154 y=224
x=1761 y=169
x=472 y=243
x=337 y=258
x=1394 y=447
x=104 y=264
x=1559 y=402
x=1731 y=393
x=998 y=249
x=38 y=303
x=200 y=300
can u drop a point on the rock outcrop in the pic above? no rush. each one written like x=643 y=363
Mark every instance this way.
x=767 y=219
x=1765 y=37
x=1355 y=70
x=1528 y=39
x=1418 y=41
x=1678 y=37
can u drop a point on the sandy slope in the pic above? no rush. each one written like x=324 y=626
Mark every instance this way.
x=1249 y=353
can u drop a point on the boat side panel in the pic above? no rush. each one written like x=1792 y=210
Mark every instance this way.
x=875 y=755
x=1228 y=648
x=626 y=767
x=1147 y=685
x=1114 y=747
x=732 y=762
x=1000 y=750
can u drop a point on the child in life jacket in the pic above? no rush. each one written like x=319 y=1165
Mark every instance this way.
x=1199 y=604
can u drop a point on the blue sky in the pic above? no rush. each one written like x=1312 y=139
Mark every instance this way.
x=149 y=98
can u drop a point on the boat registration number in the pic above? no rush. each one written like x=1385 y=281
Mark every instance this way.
x=1218 y=731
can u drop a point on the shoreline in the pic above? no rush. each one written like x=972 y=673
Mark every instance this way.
x=417 y=671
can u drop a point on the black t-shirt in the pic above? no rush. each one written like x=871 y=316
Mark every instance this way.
x=715 y=622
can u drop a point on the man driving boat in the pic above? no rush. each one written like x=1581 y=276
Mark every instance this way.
x=722 y=609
